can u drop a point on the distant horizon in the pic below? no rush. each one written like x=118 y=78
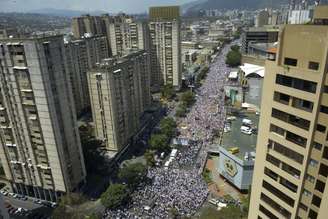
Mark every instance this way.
x=108 y=6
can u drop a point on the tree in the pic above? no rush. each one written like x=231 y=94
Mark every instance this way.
x=167 y=92
x=233 y=58
x=167 y=126
x=235 y=48
x=150 y=158
x=188 y=98
x=132 y=174
x=66 y=207
x=207 y=176
x=229 y=212
x=115 y=196
x=93 y=159
x=159 y=142
x=174 y=213
x=181 y=111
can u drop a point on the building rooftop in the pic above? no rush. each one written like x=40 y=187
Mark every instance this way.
x=268 y=28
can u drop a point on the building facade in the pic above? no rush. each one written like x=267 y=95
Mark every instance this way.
x=82 y=55
x=291 y=166
x=119 y=93
x=40 y=146
x=125 y=34
x=259 y=35
x=165 y=46
x=86 y=24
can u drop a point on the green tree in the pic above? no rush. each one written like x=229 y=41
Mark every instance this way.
x=150 y=158
x=167 y=92
x=174 y=213
x=187 y=98
x=115 y=196
x=181 y=111
x=67 y=206
x=230 y=212
x=235 y=48
x=132 y=174
x=159 y=142
x=167 y=126
x=233 y=58
x=94 y=161
x=207 y=175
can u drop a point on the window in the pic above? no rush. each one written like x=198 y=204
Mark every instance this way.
x=302 y=104
x=325 y=89
x=288 y=200
x=324 y=109
x=291 y=170
x=313 y=65
x=273 y=160
x=290 y=61
x=291 y=119
x=323 y=170
x=296 y=83
x=286 y=152
x=299 y=140
x=312 y=214
x=267 y=212
x=277 y=130
x=307 y=193
x=281 y=98
x=313 y=163
x=325 y=153
x=320 y=186
x=321 y=128
x=317 y=146
x=316 y=201
x=289 y=185
x=303 y=206
x=310 y=178
x=275 y=205
x=271 y=174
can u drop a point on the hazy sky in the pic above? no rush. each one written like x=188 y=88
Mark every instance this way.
x=129 y=6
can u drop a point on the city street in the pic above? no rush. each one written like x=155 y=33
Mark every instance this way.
x=181 y=185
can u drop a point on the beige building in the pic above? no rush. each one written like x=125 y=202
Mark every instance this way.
x=125 y=34
x=82 y=55
x=86 y=24
x=40 y=146
x=291 y=166
x=165 y=46
x=119 y=92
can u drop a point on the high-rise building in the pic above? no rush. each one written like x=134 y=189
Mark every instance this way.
x=40 y=146
x=126 y=34
x=82 y=55
x=119 y=92
x=86 y=24
x=262 y=18
x=165 y=46
x=291 y=166
x=259 y=35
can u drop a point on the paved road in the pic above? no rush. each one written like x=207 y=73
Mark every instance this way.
x=22 y=204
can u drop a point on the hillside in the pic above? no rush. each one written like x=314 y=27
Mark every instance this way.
x=235 y=4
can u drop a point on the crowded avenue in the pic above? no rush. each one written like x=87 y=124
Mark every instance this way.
x=181 y=185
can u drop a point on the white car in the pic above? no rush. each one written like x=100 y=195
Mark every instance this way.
x=246 y=130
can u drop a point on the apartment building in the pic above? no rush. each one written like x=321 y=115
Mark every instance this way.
x=268 y=34
x=86 y=24
x=165 y=46
x=119 y=94
x=82 y=55
x=125 y=34
x=291 y=166
x=40 y=146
